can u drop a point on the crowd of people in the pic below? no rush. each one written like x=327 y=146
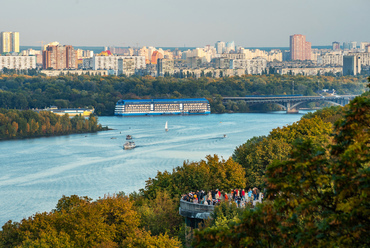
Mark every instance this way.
x=240 y=196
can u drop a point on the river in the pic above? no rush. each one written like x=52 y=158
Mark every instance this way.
x=35 y=173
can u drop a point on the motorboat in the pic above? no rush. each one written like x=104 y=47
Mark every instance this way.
x=129 y=145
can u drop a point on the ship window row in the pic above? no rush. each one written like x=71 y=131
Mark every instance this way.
x=193 y=108
x=166 y=107
x=137 y=110
x=139 y=107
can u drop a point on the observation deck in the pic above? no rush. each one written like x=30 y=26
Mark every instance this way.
x=195 y=210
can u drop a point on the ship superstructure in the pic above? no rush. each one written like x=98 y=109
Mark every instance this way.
x=162 y=107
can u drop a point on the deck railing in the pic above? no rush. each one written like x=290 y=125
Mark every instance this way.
x=195 y=207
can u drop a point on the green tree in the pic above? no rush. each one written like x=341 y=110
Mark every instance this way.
x=259 y=152
x=319 y=196
x=161 y=215
x=212 y=173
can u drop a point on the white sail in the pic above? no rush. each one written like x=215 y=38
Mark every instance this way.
x=166 y=126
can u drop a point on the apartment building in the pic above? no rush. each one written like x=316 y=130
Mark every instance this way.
x=9 y=42
x=18 y=62
x=300 y=49
x=59 y=57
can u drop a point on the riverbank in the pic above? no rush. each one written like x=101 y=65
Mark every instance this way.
x=19 y=124
x=55 y=135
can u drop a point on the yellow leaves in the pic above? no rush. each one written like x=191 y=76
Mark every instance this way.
x=107 y=222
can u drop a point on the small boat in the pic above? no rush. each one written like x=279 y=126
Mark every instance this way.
x=128 y=137
x=166 y=127
x=129 y=145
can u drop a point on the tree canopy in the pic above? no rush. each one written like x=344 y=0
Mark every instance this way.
x=102 y=92
x=317 y=196
x=111 y=221
x=28 y=123
x=210 y=174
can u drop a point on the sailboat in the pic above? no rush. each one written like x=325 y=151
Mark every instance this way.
x=166 y=126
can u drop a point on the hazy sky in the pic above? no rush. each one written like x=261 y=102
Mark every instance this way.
x=173 y=23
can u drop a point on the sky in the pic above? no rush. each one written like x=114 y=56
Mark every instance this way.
x=190 y=23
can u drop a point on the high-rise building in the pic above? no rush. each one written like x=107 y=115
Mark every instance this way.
x=230 y=46
x=220 y=46
x=126 y=65
x=363 y=45
x=353 y=45
x=336 y=46
x=300 y=49
x=9 y=42
x=345 y=46
x=367 y=49
x=155 y=56
x=165 y=67
x=351 y=65
x=59 y=57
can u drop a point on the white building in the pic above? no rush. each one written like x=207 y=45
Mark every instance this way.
x=334 y=58
x=363 y=45
x=126 y=66
x=164 y=67
x=220 y=46
x=230 y=46
x=364 y=58
x=352 y=45
x=111 y=62
x=18 y=62
x=309 y=71
x=30 y=52
x=274 y=54
x=251 y=66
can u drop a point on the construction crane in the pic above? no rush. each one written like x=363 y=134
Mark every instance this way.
x=42 y=45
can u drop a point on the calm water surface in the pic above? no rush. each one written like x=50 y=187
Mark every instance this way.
x=35 y=173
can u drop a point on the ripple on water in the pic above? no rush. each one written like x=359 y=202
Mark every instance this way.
x=35 y=173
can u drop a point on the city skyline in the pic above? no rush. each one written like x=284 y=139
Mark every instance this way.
x=172 y=24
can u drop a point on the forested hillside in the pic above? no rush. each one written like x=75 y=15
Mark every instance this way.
x=316 y=176
x=102 y=93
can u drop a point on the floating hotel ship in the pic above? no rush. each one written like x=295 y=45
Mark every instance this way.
x=162 y=107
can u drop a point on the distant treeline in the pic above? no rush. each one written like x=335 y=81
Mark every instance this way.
x=27 y=123
x=102 y=92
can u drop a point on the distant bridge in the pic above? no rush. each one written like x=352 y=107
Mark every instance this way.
x=291 y=103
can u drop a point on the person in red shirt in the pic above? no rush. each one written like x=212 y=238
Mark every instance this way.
x=243 y=195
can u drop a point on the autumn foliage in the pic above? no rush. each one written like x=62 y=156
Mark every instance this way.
x=318 y=196
x=210 y=174
x=111 y=221
x=27 y=123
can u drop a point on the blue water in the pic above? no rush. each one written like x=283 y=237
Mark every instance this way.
x=35 y=173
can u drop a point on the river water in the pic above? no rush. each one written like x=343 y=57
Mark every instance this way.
x=35 y=173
